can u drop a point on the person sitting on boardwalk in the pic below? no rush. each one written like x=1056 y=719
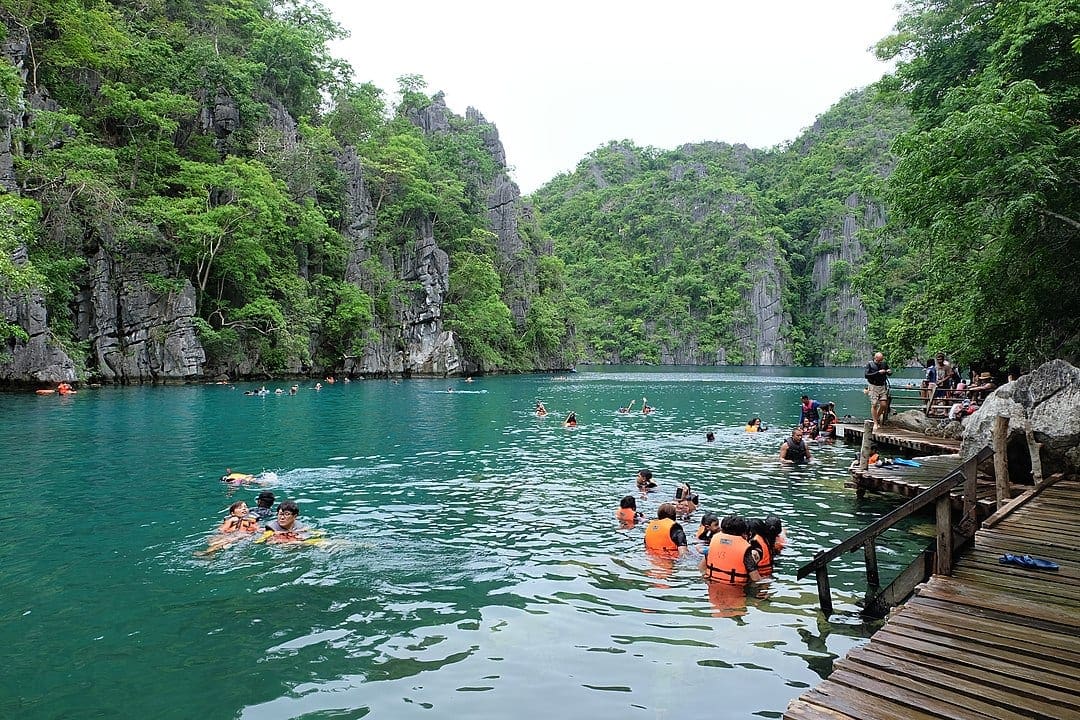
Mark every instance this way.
x=877 y=374
x=828 y=420
x=794 y=451
x=731 y=557
x=663 y=535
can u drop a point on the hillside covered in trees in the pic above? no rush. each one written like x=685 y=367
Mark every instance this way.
x=197 y=188
x=937 y=210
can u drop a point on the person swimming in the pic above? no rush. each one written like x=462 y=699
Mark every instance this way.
x=541 y=411
x=571 y=419
x=628 y=514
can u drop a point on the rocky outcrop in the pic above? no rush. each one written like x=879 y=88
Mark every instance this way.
x=1048 y=399
x=38 y=358
x=13 y=49
x=760 y=336
x=843 y=328
x=136 y=333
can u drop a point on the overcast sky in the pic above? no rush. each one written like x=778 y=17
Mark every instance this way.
x=560 y=78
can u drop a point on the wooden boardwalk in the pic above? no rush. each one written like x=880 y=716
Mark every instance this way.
x=991 y=641
x=899 y=438
x=910 y=481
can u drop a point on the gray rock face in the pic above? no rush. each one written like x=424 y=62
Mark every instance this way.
x=1049 y=398
x=13 y=49
x=845 y=316
x=219 y=117
x=136 y=333
x=435 y=118
x=760 y=335
x=37 y=359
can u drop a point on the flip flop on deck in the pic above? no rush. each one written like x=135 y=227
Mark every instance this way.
x=1026 y=561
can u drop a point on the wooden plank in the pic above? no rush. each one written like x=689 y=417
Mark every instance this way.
x=910 y=697
x=853 y=703
x=1006 y=691
x=959 y=617
x=946 y=589
x=989 y=698
x=994 y=642
x=948 y=653
x=1021 y=501
x=1005 y=620
x=799 y=709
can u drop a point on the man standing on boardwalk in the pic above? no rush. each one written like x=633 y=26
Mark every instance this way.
x=877 y=378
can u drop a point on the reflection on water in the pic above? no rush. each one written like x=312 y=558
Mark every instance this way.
x=465 y=536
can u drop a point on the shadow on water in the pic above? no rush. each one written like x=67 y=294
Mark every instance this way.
x=464 y=536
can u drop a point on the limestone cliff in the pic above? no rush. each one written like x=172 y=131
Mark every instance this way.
x=838 y=252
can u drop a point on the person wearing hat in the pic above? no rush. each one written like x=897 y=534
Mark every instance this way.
x=983 y=387
x=263 y=505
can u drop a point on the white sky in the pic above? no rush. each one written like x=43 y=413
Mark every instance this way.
x=561 y=78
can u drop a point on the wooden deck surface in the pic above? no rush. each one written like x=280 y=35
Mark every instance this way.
x=990 y=641
x=911 y=481
x=899 y=438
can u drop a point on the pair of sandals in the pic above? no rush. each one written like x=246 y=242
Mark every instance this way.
x=1026 y=561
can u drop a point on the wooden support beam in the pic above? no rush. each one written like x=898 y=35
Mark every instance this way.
x=1033 y=449
x=1001 y=460
x=943 y=565
x=864 y=449
x=823 y=591
x=870 y=552
x=969 y=520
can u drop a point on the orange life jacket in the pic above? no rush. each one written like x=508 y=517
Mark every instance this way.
x=248 y=523
x=726 y=561
x=626 y=516
x=765 y=564
x=658 y=535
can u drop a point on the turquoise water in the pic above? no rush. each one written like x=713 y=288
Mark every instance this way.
x=474 y=568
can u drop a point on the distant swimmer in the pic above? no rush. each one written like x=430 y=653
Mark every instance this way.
x=541 y=411
x=263 y=505
x=235 y=478
x=65 y=389
x=318 y=386
x=240 y=519
x=626 y=410
x=710 y=436
x=645 y=482
x=469 y=379
x=571 y=420
x=646 y=408
x=754 y=425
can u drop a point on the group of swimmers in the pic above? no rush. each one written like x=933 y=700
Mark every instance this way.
x=572 y=421
x=243 y=522
x=734 y=550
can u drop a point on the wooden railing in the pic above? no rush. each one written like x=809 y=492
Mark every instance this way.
x=879 y=601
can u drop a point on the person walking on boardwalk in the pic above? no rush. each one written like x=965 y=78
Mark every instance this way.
x=877 y=377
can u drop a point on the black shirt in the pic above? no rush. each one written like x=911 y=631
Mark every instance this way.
x=873 y=373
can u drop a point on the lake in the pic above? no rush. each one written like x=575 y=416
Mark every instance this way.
x=472 y=564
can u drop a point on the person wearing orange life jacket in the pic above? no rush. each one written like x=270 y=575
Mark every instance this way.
x=627 y=514
x=239 y=520
x=664 y=535
x=731 y=558
x=769 y=535
x=710 y=525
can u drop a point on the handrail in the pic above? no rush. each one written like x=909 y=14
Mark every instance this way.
x=859 y=539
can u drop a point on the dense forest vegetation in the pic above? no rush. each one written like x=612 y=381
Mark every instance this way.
x=665 y=246
x=981 y=123
x=208 y=142
x=200 y=180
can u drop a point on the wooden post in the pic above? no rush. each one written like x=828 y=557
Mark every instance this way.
x=870 y=553
x=864 y=449
x=1033 y=449
x=1001 y=460
x=944 y=536
x=969 y=521
x=824 y=594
